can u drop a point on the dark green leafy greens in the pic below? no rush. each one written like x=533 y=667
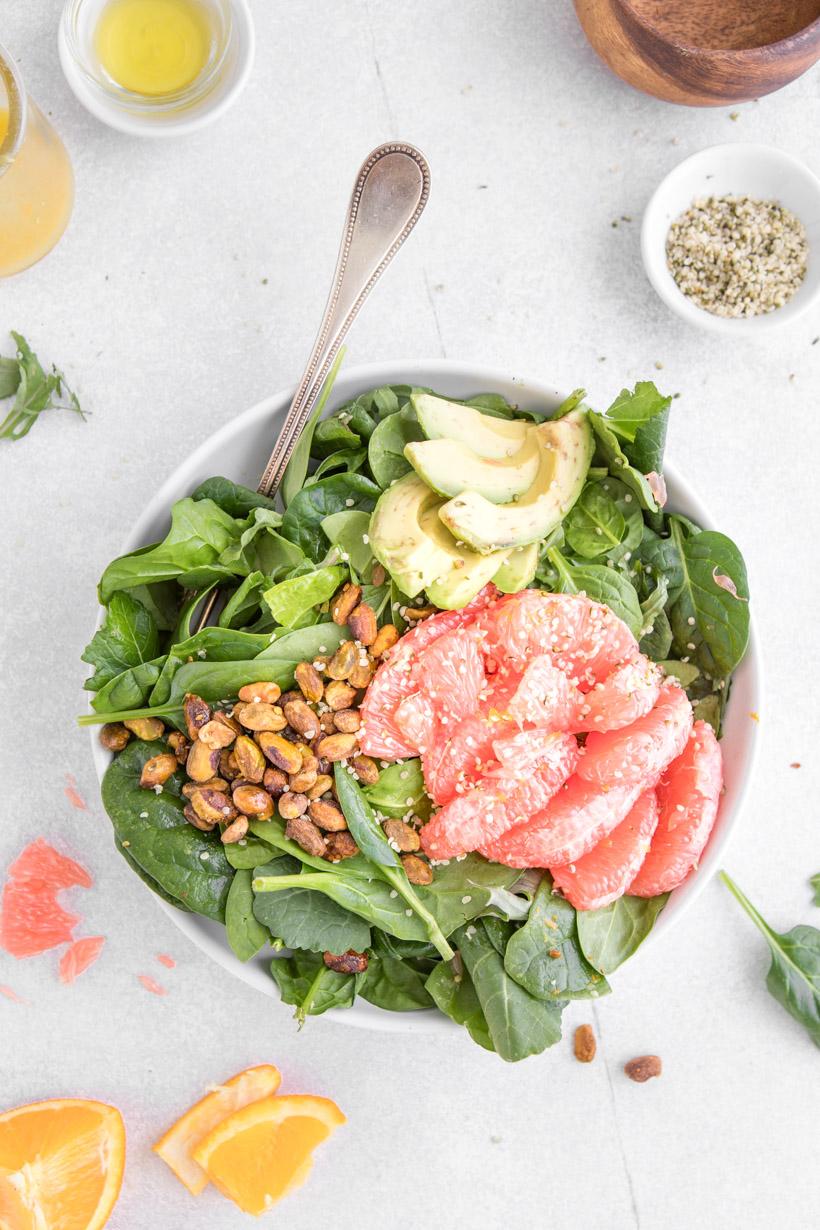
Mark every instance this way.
x=34 y=391
x=611 y=935
x=794 y=974
x=544 y=955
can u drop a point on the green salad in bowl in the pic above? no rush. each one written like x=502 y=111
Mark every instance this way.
x=452 y=740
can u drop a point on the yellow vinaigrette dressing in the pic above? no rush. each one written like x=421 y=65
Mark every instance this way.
x=36 y=181
x=154 y=47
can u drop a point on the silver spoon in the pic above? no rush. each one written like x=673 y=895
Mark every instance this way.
x=389 y=196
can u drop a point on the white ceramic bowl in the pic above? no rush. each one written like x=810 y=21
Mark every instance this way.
x=240 y=449
x=760 y=171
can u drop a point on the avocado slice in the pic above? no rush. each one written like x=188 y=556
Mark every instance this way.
x=483 y=433
x=409 y=539
x=450 y=467
x=518 y=569
x=566 y=447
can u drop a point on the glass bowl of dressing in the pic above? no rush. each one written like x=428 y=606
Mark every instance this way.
x=36 y=179
x=156 y=67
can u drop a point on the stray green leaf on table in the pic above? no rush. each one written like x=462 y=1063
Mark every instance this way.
x=34 y=390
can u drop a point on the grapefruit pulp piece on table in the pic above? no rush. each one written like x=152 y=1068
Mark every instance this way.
x=31 y=918
x=605 y=872
x=263 y=1151
x=688 y=797
x=176 y=1146
x=61 y=1165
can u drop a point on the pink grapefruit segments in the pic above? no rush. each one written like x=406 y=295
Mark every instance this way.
x=624 y=696
x=606 y=871
x=640 y=752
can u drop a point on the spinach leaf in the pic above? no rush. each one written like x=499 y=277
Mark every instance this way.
x=261 y=548
x=128 y=637
x=685 y=672
x=347 y=532
x=545 y=957
x=304 y=645
x=371 y=901
x=612 y=455
x=155 y=888
x=815 y=883
x=346 y=460
x=794 y=974
x=306 y=982
x=658 y=557
x=294 y=477
x=715 y=593
x=272 y=832
x=130 y=690
x=656 y=633
x=519 y=1024
x=499 y=932
x=161 y=601
x=601 y=584
x=595 y=524
x=302 y=918
x=244 y=602
x=211 y=644
x=331 y=435
x=369 y=837
x=400 y=789
x=200 y=531
x=612 y=934
x=393 y=984
x=307 y=509
x=234 y=499
x=289 y=600
x=385 y=452
x=388 y=946
x=641 y=418
x=246 y=935
x=464 y=889
x=187 y=864
x=250 y=853
x=452 y=991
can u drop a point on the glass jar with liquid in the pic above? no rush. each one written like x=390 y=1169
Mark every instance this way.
x=36 y=179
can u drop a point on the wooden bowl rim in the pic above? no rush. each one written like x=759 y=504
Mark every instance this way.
x=793 y=41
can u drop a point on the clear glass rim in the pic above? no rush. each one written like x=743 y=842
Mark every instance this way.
x=18 y=109
x=129 y=100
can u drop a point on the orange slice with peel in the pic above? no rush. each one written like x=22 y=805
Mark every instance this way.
x=263 y=1152
x=175 y=1147
x=61 y=1165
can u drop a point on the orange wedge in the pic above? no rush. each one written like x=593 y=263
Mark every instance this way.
x=61 y=1165
x=176 y=1146
x=263 y=1152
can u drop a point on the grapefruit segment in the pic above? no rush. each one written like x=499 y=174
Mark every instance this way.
x=545 y=697
x=177 y=1145
x=688 y=798
x=573 y=822
x=61 y=1165
x=263 y=1152
x=639 y=753
x=624 y=696
x=460 y=762
x=451 y=673
x=603 y=874
x=416 y=720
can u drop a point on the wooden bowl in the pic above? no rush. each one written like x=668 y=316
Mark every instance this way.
x=704 y=53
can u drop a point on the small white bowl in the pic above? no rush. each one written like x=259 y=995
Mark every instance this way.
x=130 y=113
x=759 y=171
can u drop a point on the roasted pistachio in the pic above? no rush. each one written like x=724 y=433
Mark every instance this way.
x=413 y=614
x=327 y=723
x=253 y=801
x=268 y=692
x=345 y=601
x=336 y=747
x=386 y=638
x=190 y=815
x=339 y=695
x=114 y=736
x=349 y=962
x=216 y=734
x=347 y=721
x=179 y=745
x=213 y=805
x=227 y=720
x=323 y=783
x=362 y=624
x=202 y=762
x=340 y=846
x=275 y=782
x=280 y=751
x=157 y=770
x=197 y=712
x=309 y=681
x=216 y=783
x=301 y=718
x=307 y=775
x=249 y=759
x=343 y=660
x=366 y=770
x=145 y=728
x=235 y=831
x=305 y=833
x=291 y=805
x=259 y=715
x=416 y=870
x=378 y=575
x=227 y=765
x=361 y=673
x=327 y=816
x=402 y=836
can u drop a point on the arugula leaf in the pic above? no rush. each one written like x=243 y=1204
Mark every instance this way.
x=246 y=935
x=452 y=990
x=307 y=509
x=794 y=974
x=306 y=982
x=519 y=1024
x=601 y=584
x=545 y=957
x=128 y=636
x=392 y=983
x=232 y=498
x=715 y=594
x=612 y=934
x=200 y=531
x=34 y=391
x=289 y=600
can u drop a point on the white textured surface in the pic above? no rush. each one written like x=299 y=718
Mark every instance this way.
x=189 y=286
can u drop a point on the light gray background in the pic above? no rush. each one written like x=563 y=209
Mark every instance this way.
x=188 y=287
